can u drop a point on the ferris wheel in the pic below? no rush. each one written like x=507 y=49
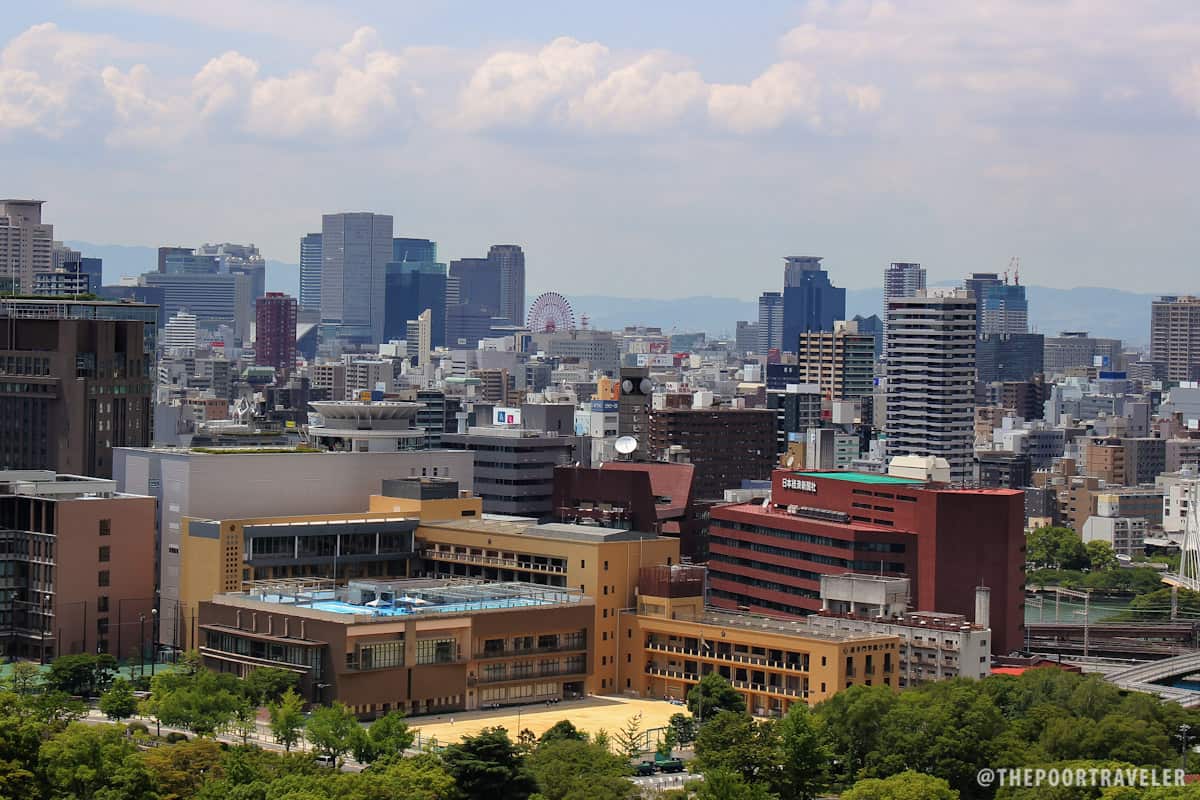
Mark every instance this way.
x=550 y=312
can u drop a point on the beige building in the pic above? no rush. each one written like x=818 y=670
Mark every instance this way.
x=26 y=244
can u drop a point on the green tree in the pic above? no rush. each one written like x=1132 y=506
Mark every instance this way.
x=334 y=731
x=83 y=674
x=902 y=786
x=563 y=729
x=850 y=721
x=1157 y=605
x=267 y=684
x=668 y=742
x=571 y=767
x=387 y=738
x=724 y=784
x=118 y=702
x=803 y=756
x=684 y=726
x=56 y=708
x=181 y=769
x=712 y=694
x=287 y=719
x=630 y=739
x=737 y=743
x=24 y=677
x=422 y=777
x=1101 y=556
x=1060 y=548
x=245 y=720
x=488 y=766
x=86 y=762
x=201 y=702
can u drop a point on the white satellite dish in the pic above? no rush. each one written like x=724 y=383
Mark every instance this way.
x=626 y=445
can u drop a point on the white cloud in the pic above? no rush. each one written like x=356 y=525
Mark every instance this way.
x=784 y=90
x=350 y=92
x=513 y=88
x=285 y=19
x=1186 y=87
x=644 y=95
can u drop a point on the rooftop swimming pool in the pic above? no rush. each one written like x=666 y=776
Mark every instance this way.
x=342 y=607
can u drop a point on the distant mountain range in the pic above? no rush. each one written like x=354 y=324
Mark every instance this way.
x=1104 y=312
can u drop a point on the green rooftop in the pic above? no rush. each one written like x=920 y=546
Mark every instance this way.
x=862 y=477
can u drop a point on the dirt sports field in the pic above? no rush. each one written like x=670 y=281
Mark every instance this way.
x=589 y=714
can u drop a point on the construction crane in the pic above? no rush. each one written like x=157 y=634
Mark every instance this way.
x=1014 y=265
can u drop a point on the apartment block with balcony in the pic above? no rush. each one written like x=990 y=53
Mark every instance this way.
x=76 y=566
x=417 y=646
x=670 y=640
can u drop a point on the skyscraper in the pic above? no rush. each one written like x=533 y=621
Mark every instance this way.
x=900 y=279
x=1000 y=306
x=770 y=322
x=478 y=283
x=310 y=272
x=240 y=259
x=810 y=301
x=931 y=378
x=355 y=250
x=1175 y=336
x=26 y=244
x=275 y=332
x=509 y=261
x=415 y=282
x=166 y=252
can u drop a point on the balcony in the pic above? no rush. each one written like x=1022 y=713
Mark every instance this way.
x=535 y=651
x=726 y=658
x=533 y=674
x=763 y=688
x=663 y=672
x=492 y=561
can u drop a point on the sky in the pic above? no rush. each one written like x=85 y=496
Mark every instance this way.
x=638 y=149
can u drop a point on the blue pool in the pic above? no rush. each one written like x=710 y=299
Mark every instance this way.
x=340 y=607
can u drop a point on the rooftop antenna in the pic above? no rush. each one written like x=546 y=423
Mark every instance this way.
x=625 y=445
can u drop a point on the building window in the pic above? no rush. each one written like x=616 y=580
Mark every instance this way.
x=582 y=564
x=102 y=626
x=606 y=566
x=605 y=614
x=104 y=554
x=102 y=579
x=102 y=604
x=436 y=651
x=105 y=527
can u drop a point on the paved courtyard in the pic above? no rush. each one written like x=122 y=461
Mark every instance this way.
x=589 y=714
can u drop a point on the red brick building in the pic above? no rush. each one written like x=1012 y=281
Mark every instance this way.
x=770 y=557
x=275 y=332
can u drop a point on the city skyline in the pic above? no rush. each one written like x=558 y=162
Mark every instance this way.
x=975 y=131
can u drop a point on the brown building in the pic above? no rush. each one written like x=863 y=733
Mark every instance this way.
x=635 y=495
x=409 y=645
x=671 y=641
x=841 y=361
x=71 y=390
x=725 y=445
x=275 y=332
x=78 y=557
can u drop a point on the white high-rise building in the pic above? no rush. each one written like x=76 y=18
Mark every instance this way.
x=310 y=272
x=770 y=322
x=26 y=244
x=900 y=279
x=931 y=377
x=179 y=334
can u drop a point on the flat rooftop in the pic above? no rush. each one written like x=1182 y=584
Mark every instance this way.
x=366 y=600
x=759 y=622
x=863 y=477
x=527 y=526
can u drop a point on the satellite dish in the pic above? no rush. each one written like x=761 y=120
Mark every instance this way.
x=627 y=386
x=646 y=386
x=626 y=445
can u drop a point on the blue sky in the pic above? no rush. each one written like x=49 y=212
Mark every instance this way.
x=637 y=149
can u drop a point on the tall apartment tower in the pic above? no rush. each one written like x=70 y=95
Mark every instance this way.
x=1175 y=336
x=26 y=244
x=355 y=250
x=275 y=332
x=179 y=335
x=900 y=279
x=509 y=260
x=810 y=301
x=770 y=322
x=931 y=377
x=841 y=362
x=310 y=272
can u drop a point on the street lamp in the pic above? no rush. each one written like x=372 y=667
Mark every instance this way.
x=153 y=635
x=142 y=646
x=1184 y=730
